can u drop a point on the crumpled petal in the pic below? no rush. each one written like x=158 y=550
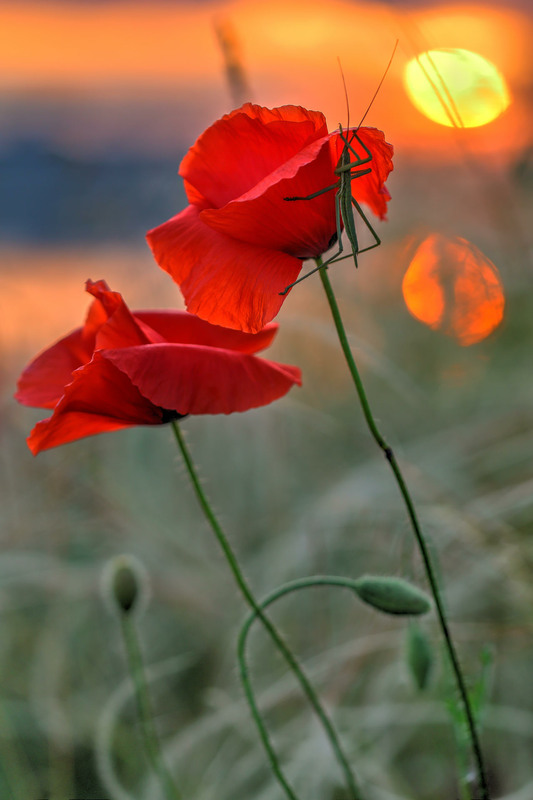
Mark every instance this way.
x=224 y=281
x=100 y=398
x=43 y=381
x=243 y=147
x=109 y=323
x=191 y=379
x=119 y=327
x=265 y=217
x=185 y=328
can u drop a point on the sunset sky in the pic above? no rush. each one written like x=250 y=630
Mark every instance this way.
x=92 y=78
x=107 y=59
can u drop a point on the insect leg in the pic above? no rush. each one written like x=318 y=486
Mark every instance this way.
x=315 y=194
x=334 y=257
x=348 y=219
x=345 y=165
x=377 y=241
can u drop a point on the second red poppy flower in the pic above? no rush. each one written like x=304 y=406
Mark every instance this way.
x=239 y=243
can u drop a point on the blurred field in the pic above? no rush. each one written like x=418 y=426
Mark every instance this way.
x=300 y=489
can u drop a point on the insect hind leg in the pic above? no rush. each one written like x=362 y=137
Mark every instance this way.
x=377 y=240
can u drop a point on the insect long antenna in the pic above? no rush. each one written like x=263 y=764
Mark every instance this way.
x=353 y=163
x=345 y=95
x=379 y=85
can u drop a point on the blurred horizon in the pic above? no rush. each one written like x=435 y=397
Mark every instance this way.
x=100 y=101
x=149 y=77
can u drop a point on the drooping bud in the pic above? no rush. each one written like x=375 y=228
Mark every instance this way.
x=392 y=595
x=419 y=655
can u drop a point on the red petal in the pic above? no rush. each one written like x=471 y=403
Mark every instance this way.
x=227 y=282
x=191 y=379
x=185 y=328
x=100 y=398
x=109 y=323
x=287 y=113
x=43 y=381
x=262 y=216
x=243 y=147
x=69 y=427
x=120 y=329
x=96 y=317
x=370 y=189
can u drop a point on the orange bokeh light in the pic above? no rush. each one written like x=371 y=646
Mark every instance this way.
x=452 y=287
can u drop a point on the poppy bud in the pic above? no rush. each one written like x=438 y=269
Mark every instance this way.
x=392 y=595
x=419 y=655
x=125 y=584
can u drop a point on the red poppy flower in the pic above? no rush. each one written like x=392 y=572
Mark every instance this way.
x=145 y=368
x=240 y=243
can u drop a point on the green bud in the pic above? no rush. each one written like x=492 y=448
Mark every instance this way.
x=125 y=583
x=392 y=595
x=419 y=655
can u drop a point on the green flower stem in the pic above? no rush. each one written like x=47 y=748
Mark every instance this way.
x=288 y=588
x=274 y=635
x=149 y=735
x=424 y=552
x=303 y=583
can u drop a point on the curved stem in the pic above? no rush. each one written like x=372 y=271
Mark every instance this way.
x=149 y=735
x=288 y=588
x=302 y=583
x=272 y=631
x=424 y=552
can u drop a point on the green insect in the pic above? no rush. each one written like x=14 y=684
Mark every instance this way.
x=348 y=169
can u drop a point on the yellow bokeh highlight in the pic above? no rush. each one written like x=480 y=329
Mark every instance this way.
x=451 y=286
x=456 y=87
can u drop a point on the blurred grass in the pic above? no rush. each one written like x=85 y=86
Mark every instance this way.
x=301 y=489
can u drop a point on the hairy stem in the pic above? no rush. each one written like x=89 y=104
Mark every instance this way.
x=273 y=633
x=303 y=583
x=149 y=735
x=411 y=512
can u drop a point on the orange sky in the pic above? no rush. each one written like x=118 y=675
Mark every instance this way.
x=289 y=49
